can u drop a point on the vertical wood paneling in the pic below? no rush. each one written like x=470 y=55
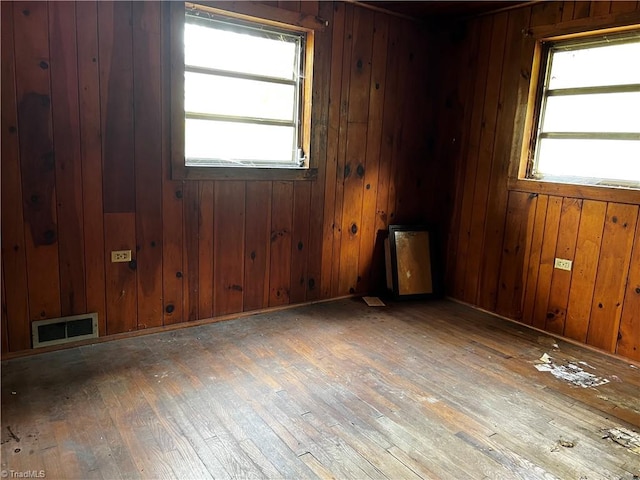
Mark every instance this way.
x=520 y=209
x=257 y=245
x=300 y=241
x=621 y=6
x=465 y=84
x=172 y=194
x=585 y=269
x=546 y=13
x=37 y=157
x=599 y=8
x=399 y=142
x=201 y=251
x=319 y=135
x=533 y=260
x=190 y=253
x=561 y=279
x=381 y=189
x=68 y=173
x=91 y=152
x=581 y=9
x=490 y=110
x=280 y=250
x=547 y=260
x=516 y=44
x=332 y=148
x=373 y=148
x=147 y=76
x=613 y=268
x=355 y=158
x=629 y=338
x=381 y=136
x=568 y=9
x=228 y=218
x=14 y=262
x=351 y=209
x=470 y=160
x=206 y=262
x=5 y=328
x=120 y=234
x=341 y=148
x=587 y=303
x=116 y=92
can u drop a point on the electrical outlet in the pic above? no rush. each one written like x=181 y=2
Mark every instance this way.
x=563 y=264
x=120 y=256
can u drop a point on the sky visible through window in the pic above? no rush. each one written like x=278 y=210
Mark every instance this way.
x=211 y=140
x=603 y=65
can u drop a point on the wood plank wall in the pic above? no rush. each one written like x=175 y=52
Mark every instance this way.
x=85 y=148
x=502 y=243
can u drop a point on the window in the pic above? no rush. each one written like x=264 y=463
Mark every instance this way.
x=588 y=112
x=242 y=101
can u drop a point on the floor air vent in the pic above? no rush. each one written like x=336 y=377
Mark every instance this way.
x=64 y=330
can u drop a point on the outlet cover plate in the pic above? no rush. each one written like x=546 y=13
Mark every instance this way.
x=563 y=264
x=120 y=256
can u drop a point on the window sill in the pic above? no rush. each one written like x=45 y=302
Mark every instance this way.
x=588 y=192
x=237 y=173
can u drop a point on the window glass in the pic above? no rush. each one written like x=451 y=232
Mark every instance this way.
x=213 y=47
x=240 y=97
x=608 y=112
x=214 y=142
x=243 y=90
x=600 y=159
x=589 y=112
x=615 y=64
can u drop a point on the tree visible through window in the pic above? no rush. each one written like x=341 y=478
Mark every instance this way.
x=243 y=93
x=588 y=124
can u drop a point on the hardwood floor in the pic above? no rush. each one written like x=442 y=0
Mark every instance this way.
x=333 y=390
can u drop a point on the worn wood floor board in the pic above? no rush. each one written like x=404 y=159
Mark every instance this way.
x=416 y=390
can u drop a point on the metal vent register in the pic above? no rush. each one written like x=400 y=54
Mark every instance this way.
x=64 y=329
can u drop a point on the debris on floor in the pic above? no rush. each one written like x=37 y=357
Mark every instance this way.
x=625 y=437
x=373 y=301
x=545 y=358
x=571 y=372
x=563 y=443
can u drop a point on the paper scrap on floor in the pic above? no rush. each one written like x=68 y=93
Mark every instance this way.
x=373 y=301
x=570 y=372
x=625 y=437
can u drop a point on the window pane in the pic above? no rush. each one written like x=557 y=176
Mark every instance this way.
x=237 y=52
x=239 y=97
x=610 y=112
x=232 y=141
x=606 y=159
x=614 y=64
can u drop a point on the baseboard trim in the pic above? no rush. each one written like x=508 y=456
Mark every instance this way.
x=550 y=334
x=166 y=328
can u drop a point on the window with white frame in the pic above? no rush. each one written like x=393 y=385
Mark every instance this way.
x=244 y=93
x=588 y=112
